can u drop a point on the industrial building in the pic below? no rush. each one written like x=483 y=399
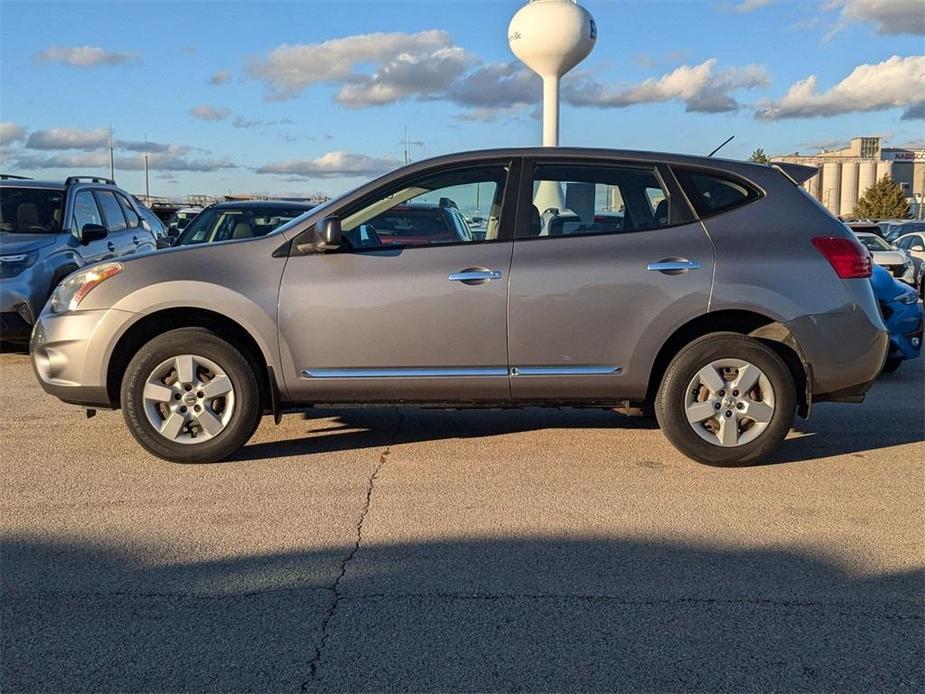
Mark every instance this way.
x=846 y=174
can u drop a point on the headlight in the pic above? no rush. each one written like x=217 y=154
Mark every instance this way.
x=12 y=265
x=71 y=292
x=907 y=297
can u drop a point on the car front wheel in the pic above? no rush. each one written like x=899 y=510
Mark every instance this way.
x=190 y=397
x=726 y=400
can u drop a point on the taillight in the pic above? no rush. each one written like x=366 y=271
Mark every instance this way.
x=848 y=257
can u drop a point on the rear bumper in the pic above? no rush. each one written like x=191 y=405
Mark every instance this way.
x=844 y=351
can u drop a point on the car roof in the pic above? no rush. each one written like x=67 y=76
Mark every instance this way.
x=263 y=205
x=29 y=183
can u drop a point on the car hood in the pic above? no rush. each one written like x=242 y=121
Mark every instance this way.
x=11 y=242
x=888 y=257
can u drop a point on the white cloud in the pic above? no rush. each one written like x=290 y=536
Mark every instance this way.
x=68 y=138
x=332 y=165
x=701 y=87
x=895 y=83
x=889 y=16
x=421 y=76
x=206 y=112
x=10 y=132
x=85 y=56
x=289 y=69
x=750 y=5
x=164 y=161
x=220 y=77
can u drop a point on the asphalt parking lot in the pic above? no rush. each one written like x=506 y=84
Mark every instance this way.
x=413 y=549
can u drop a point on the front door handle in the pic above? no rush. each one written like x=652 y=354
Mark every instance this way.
x=475 y=275
x=673 y=266
x=111 y=246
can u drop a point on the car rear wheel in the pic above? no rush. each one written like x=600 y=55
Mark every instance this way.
x=726 y=400
x=190 y=397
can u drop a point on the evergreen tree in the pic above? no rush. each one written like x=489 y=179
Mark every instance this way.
x=759 y=157
x=883 y=200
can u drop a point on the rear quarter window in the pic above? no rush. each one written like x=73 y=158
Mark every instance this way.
x=711 y=193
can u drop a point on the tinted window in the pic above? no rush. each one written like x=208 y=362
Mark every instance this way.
x=131 y=217
x=577 y=200
x=874 y=243
x=85 y=211
x=112 y=210
x=710 y=193
x=30 y=210
x=430 y=211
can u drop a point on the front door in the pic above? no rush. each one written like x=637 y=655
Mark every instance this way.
x=413 y=305
x=606 y=257
x=86 y=211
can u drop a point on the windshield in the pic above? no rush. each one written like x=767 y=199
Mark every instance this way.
x=31 y=210
x=228 y=223
x=874 y=243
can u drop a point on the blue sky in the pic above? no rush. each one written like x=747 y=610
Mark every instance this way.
x=676 y=76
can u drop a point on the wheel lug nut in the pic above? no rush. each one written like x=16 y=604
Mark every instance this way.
x=200 y=394
x=716 y=405
x=176 y=396
x=183 y=409
x=197 y=408
x=722 y=393
x=740 y=406
x=728 y=413
x=735 y=393
x=187 y=387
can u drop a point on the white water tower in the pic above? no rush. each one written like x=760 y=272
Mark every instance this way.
x=551 y=37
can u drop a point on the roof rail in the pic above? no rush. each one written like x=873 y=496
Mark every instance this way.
x=93 y=179
x=13 y=177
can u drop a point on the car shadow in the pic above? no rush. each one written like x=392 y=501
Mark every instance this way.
x=477 y=614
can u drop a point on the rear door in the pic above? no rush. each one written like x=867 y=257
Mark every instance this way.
x=423 y=320
x=608 y=261
x=141 y=239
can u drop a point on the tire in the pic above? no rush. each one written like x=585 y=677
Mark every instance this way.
x=685 y=394
x=892 y=363
x=222 y=414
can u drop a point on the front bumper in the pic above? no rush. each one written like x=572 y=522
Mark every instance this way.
x=906 y=328
x=70 y=353
x=20 y=303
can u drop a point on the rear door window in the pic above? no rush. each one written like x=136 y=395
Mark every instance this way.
x=112 y=210
x=131 y=217
x=711 y=193
x=583 y=199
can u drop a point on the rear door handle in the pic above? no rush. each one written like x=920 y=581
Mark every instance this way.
x=673 y=266
x=475 y=275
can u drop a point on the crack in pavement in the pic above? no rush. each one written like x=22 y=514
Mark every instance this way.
x=315 y=662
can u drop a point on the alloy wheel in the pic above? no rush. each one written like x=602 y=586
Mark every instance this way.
x=188 y=399
x=729 y=402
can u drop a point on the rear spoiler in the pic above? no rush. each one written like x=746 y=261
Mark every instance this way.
x=797 y=173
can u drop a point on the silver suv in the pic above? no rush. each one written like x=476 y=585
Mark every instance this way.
x=716 y=293
x=50 y=229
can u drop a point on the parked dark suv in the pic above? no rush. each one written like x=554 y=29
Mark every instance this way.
x=716 y=292
x=50 y=229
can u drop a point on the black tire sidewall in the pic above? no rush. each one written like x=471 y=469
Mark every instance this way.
x=203 y=343
x=670 y=408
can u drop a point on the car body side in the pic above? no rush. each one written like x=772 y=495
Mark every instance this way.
x=767 y=281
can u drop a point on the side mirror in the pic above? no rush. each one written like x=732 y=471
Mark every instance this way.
x=173 y=231
x=166 y=241
x=92 y=232
x=328 y=235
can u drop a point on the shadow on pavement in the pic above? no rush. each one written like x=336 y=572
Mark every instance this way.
x=473 y=614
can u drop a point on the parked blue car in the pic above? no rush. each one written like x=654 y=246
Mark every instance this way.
x=903 y=315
